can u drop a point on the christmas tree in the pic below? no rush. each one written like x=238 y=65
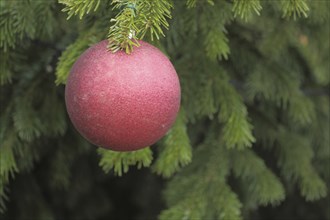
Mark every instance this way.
x=251 y=140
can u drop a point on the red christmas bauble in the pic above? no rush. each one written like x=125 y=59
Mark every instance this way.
x=121 y=101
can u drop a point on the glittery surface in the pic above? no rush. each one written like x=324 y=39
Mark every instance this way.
x=122 y=102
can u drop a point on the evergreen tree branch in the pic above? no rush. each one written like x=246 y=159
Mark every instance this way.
x=226 y=203
x=135 y=20
x=263 y=186
x=123 y=33
x=295 y=161
x=8 y=165
x=237 y=130
x=154 y=15
x=194 y=206
x=216 y=44
x=32 y=122
x=212 y=24
x=18 y=20
x=203 y=102
x=79 y=7
x=7 y=160
x=192 y=3
x=282 y=88
x=200 y=191
x=175 y=150
x=301 y=110
x=295 y=8
x=246 y=8
x=6 y=72
x=26 y=120
x=120 y=162
x=3 y=197
x=73 y=51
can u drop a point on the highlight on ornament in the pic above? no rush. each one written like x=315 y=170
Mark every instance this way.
x=120 y=101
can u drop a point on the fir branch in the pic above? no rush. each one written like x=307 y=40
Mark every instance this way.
x=16 y=21
x=295 y=161
x=53 y=115
x=120 y=162
x=262 y=185
x=45 y=27
x=205 y=100
x=216 y=44
x=295 y=8
x=301 y=110
x=35 y=113
x=226 y=202
x=7 y=29
x=123 y=33
x=245 y=8
x=212 y=24
x=60 y=164
x=192 y=3
x=27 y=122
x=6 y=72
x=277 y=87
x=79 y=7
x=3 y=197
x=265 y=125
x=175 y=150
x=135 y=20
x=200 y=190
x=309 y=54
x=320 y=128
x=8 y=164
x=194 y=206
x=154 y=15
x=283 y=89
x=73 y=51
x=19 y=19
x=319 y=11
x=237 y=130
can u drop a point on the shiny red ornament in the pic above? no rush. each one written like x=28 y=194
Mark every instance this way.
x=120 y=101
